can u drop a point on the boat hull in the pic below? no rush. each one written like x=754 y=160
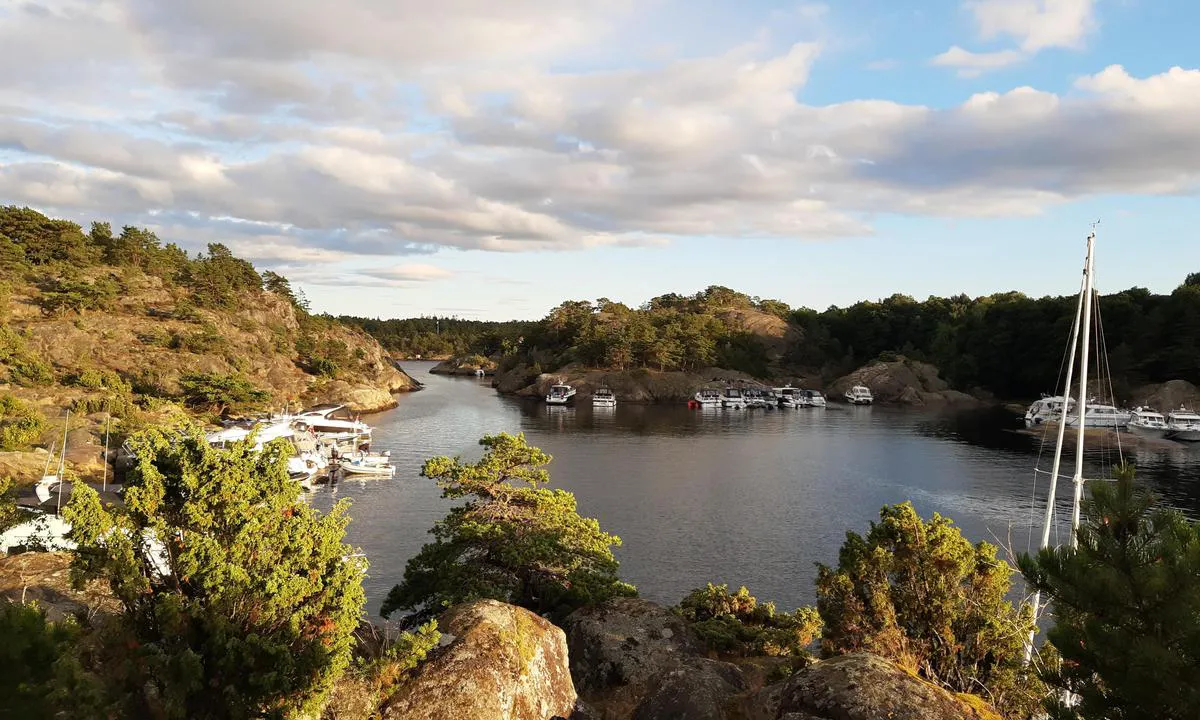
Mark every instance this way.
x=1148 y=432
x=1184 y=435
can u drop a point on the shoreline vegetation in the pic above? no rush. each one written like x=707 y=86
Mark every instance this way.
x=516 y=610
x=115 y=324
x=996 y=348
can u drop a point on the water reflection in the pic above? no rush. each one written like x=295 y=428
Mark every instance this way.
x=754 y=497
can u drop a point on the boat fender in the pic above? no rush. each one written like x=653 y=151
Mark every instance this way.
x=692 y=404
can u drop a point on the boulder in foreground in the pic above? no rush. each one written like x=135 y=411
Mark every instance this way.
x=502 y=663
x=867 y=687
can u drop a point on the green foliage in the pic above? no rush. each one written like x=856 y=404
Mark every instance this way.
x=98 y=379
x=442 y=336
x=738 y=624
x=45 y=241
x=219 y=393
x=385 y=664
x=922 y=595
x=63 y=295
x=1126 y=608
x=21 y=424
x=41 y=674
x=220 y=280
x=326 y=357
x=241 y=600
x=275 y=283
x=186 y=311
x=512 y=540
x=203 y=341
x=24 y=367
x=10 y=514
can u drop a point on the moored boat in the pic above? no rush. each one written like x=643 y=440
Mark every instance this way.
x=560 y=395
x=733 y=398
x=859 y=395
x=1147 y=423
x=790 y=397
x=1183 y=425
x=603 y=397
x=1099 y=415
x=707 y=397
x=360 y=467
x=814 y=398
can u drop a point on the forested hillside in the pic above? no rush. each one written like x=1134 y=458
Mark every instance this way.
x=119 y=323
x=441 y=337
x=1008 y=344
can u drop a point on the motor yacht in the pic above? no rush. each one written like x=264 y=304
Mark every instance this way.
x=814 y=398
x=1147 y=423
x=1183 y=425
x=708 y=397
x=859 y=395
x=560 y=395
x=603 y=397
x=733 y=398
x=1099 y=415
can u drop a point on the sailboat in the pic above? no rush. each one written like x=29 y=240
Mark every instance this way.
x=1080 y=423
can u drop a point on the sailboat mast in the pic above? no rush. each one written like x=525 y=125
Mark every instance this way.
x=1083 y=377
x=1051 y=494
x=62 y=461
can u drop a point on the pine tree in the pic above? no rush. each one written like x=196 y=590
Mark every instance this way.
x=239 y=599
x=922 y=595
x=512 y=541
x=1126 y=606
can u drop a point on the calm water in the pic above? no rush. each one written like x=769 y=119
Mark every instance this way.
x=754 y=498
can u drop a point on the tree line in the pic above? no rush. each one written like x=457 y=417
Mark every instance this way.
x=1009 y=344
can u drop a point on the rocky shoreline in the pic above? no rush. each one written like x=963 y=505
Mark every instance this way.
x=626 y=658
x=899 y=382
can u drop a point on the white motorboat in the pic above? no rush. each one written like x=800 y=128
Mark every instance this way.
x=1183 y=425
x=1099 y=415
x=1147 y=423
x=708 y=397
x=331 y=421
x=603 y=397
x=733 y=398
x=814 y=398
x=560 y=395
x=755 y=398
x=789 y=397
x=859 y=395
x=360 y=467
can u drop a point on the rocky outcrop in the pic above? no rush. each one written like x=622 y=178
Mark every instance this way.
x=466 y=365
x=502 y=663
x=1167 y=396
x=901 y=381
x=45 y=578
x=700 y=689
x=867 y=687
x=640 y=385
x=625 y=642
x=633 y=658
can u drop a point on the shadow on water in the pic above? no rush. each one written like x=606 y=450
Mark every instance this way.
x=745 y=497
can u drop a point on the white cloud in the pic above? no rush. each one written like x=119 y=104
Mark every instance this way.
x=1034 y=25
x=308 y=149
x=971 y=64
x=410 y=272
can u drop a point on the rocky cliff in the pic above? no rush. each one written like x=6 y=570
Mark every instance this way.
x=1167 y=396
x=901 y=381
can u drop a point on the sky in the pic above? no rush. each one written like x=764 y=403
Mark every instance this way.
x=489 y=160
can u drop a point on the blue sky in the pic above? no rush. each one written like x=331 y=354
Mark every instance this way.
x=489 y=161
